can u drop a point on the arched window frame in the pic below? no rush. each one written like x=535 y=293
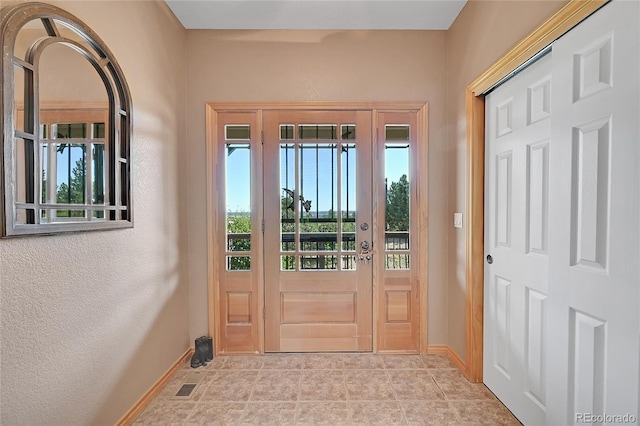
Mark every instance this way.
x=117 y=205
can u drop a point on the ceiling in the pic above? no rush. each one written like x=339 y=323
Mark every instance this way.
x=317 y=14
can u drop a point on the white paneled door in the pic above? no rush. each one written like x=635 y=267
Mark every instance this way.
x=562 y=234
x=593 y=246
x=516 y=241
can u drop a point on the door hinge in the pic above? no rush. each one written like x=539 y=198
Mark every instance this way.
x=263 y=226
x=262 y=136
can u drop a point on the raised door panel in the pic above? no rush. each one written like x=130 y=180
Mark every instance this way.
x=594 y=246
x=535 y=348
x=318 y=307
x=590 y=183
x=537 y=198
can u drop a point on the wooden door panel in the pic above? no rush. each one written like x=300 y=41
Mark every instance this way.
x=239 y=265
x=398 y=316
x=239 y=307
x=339 y=281
x=398 y=305
x=318 y=337
x=396 y=335
x=317 y=309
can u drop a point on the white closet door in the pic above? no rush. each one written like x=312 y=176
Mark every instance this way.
x=593 y=346
x=516 y=237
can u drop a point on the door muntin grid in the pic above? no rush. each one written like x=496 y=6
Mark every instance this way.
x=73 y=161
x=318 y=197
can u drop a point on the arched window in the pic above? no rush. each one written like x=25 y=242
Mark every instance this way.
x=67 y=126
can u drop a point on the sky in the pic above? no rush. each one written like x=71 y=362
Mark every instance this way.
x=238 y=176
x=62 y=163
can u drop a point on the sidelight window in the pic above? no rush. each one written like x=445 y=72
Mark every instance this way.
x=238 y=199
x=397 y=198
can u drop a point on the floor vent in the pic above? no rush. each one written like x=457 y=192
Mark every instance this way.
x=186 y=390
x=190 y=385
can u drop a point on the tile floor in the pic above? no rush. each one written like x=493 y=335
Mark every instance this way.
x=328 y=389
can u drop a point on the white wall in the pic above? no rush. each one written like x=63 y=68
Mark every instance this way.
x=91 y=320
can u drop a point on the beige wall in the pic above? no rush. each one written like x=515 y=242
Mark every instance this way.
x=482 y=33
x=56 y=83
x=83 y=340
x=313 y=66
x=91 y=320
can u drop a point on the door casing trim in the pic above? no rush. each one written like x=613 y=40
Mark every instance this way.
x=560 y=23
x=213 y=253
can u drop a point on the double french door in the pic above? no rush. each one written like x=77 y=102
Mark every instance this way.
x=312 y=206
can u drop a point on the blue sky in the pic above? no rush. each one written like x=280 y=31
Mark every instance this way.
x=238 y=178
x=62 y=163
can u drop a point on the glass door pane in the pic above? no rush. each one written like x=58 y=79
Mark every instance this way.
x=317 y=199
x=318 y=203
x=397 y=205
x=238 y=204
x=348 y=173
x=287 y=200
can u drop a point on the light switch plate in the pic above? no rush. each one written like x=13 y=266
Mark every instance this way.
x=457 y=220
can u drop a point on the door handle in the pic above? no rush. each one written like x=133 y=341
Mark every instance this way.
x=365 y=252
x=489 y=259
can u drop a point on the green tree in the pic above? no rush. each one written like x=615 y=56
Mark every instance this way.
x=44 y=187
x=318 y=232
x=397 y=205
x=239 y=223
x=73 y=192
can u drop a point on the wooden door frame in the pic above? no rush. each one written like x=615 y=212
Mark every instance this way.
x=560 y=23
x=213 y=252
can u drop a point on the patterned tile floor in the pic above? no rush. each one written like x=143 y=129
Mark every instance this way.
x=328 y=389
